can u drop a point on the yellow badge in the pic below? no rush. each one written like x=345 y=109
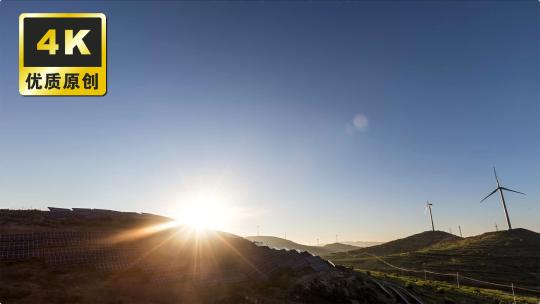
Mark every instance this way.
x=62 y=54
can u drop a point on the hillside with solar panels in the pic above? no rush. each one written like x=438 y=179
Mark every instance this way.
x=104 y=256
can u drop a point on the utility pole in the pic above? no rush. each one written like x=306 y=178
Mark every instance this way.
x=336 y=238
x=461 y=235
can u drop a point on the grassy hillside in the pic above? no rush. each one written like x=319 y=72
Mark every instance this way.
x=362 y=244
x=437 y=292
x=411 y=243
x=339 y=247
x=521 y=242
x=502 y=257
x=279 y=243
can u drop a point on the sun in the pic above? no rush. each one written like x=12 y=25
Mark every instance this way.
x=204 y=211
x=203 y=216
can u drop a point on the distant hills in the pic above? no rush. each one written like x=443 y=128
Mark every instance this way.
x=280 y=243
x=505 y=256
x=362 y=244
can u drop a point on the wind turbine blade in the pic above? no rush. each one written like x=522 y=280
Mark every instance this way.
x=495 y=173
x=489 y=195
x=512 y=190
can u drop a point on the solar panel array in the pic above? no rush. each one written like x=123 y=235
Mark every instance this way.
x=60 y=213
x=95 y=249
x=63 y=248
x=223 y=276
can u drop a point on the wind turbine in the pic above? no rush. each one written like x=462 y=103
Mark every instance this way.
x=500 y=189
x=428 y=206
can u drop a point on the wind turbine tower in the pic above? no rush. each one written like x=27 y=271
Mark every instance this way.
x=428 y=206
x=461 y=235
x=503 y=202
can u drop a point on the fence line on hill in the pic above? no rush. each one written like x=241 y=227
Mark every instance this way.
x=457 y=275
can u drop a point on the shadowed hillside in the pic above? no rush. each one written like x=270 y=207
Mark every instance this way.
x=103 y=256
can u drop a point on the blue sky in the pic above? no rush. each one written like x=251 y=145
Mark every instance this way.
x=255 y=103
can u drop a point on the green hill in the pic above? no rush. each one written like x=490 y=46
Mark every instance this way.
x=339 y=247
x=518 y=241
x=362 y=244
x=501 y=257
x=411 y=243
